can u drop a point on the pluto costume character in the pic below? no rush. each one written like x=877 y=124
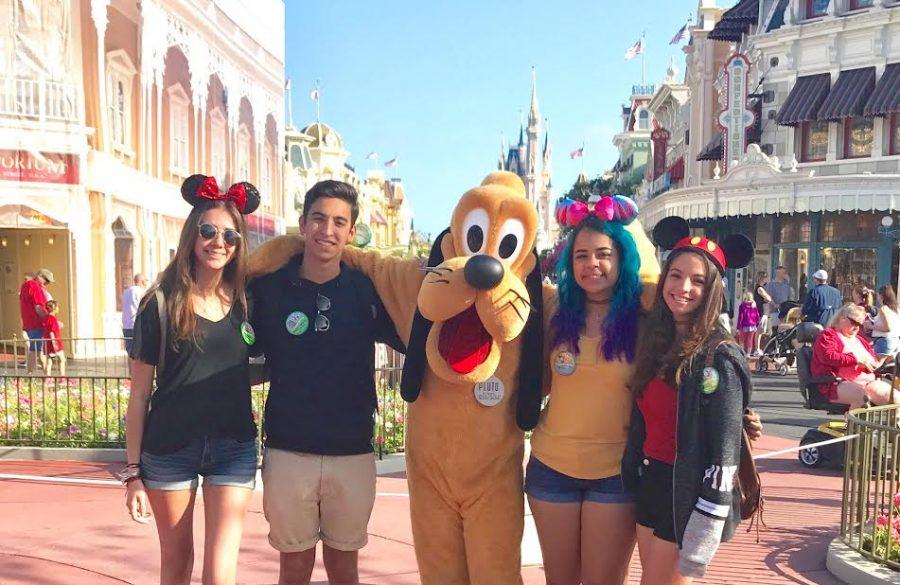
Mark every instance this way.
x=467 y=319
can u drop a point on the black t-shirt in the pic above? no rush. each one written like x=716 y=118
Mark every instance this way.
x=203 y=390
x=322 y=395
x=759 y=300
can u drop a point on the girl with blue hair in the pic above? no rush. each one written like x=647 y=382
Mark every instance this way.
x=585 y=519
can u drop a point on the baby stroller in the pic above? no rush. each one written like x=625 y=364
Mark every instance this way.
x=779 y=352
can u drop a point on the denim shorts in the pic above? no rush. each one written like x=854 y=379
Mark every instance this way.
x=220 y=460
x=654 y=498
x=886 y=345
x=128 y=334
x=35 y=339
x=548 y=485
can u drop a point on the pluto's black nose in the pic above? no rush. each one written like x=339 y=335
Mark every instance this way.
x=483 y=272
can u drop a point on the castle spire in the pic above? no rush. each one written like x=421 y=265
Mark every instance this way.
x=534 y=113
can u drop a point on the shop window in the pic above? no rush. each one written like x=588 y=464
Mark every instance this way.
x=243 y=155
x=218 y=143
x=816 y=8
x=814 y=136
x=858 y=137
x=119 y=77
x=794 y=229
x=123 y=249
x=895 y=133
x=849 y=227
x=858 y=4
x=796 y=264
x=849 y=266
x=179 y=106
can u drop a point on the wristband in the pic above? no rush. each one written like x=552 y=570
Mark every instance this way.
x=128 y=473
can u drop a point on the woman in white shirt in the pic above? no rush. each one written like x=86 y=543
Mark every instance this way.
x=886 y=328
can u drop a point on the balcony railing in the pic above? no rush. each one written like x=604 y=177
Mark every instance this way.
x=38 y=99
x=643 y=89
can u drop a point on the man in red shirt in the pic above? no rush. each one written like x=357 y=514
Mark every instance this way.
x=33 y=307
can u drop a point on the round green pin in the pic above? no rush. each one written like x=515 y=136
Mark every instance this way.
x=710 y=381
x=247 y=333
x=296 y=323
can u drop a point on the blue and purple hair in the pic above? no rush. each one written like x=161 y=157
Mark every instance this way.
x=620 y=326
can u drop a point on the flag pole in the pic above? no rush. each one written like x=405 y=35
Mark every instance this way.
x=582 y=156
x=643 y=62
x=318 y=96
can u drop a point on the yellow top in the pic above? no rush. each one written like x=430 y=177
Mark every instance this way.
x=583 y=429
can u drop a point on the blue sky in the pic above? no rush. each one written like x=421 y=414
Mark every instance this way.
x=435 y=83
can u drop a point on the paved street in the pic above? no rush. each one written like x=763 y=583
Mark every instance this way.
x=779 y=403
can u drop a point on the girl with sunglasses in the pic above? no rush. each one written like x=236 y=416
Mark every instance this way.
x=584 y=516
x=842 y=351
x=192 y=331
x=691 y=390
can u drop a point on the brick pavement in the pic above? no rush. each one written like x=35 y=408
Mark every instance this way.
x=54 y=532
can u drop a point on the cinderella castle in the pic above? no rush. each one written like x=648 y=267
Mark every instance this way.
x=532 y=163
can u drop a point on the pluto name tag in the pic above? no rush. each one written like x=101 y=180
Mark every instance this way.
x=490 y=392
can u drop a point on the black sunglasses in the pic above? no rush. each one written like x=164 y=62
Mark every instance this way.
x=854 y=322
x=208 y=231
x=323 y=303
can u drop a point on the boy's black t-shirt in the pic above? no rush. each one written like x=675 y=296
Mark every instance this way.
x=322 y=396
x=203 y=390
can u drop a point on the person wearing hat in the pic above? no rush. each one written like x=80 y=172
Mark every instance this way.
x=33 y=299
x=823 y=300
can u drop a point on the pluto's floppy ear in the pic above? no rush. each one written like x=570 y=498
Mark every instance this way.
x=531 y=371
x=414 y=365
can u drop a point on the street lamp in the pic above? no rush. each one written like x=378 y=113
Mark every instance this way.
x=887 y=229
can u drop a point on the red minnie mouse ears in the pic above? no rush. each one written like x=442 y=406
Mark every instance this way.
x=197 y=189
x=735 y=250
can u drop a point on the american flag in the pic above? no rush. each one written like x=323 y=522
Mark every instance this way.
x=635 y=49
x=681 y=35
x=577 y=153
x=391 y=163
x=372 y=156
x=314 y=94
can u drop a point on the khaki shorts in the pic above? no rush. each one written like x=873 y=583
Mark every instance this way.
x=307 y=498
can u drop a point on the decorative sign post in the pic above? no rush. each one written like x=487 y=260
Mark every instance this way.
x=737 y=116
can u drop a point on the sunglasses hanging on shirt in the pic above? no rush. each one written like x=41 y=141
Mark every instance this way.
x=323 y=304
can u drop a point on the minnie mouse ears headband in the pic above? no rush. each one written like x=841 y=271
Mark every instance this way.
x=570 y=212
x=735 y=251
x=197 y=189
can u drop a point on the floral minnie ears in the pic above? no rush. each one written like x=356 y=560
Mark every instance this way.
x=735 y=251
x=197 y=189
x=570 y=212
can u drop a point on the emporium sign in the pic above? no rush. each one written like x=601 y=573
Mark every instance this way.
x=38 y=167
x=737 y=116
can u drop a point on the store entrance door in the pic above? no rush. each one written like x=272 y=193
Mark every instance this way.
x=796 y=263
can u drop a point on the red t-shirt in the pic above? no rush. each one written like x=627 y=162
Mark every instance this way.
x=659 y=405
x=31 y=295
x=51 y=325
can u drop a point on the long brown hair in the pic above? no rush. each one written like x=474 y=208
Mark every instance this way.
x=658 y=354
x=888 y=297
x=178 y=281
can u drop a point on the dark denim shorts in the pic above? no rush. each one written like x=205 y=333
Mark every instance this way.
x=548 y=485
x=220 y=460
x=35 y=339
x=654 y=498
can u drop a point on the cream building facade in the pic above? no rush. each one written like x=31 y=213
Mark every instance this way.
x=105 y=107
x=818 y=182
x=317 y=153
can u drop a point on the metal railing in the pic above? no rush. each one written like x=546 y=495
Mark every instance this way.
x=870 y=512
x=38 y=99
x=89 y=411
x=85 y=356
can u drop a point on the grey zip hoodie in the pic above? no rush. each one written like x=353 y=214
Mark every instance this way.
x=706 y=506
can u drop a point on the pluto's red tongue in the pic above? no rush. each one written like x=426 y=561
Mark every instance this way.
x=464 y=343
